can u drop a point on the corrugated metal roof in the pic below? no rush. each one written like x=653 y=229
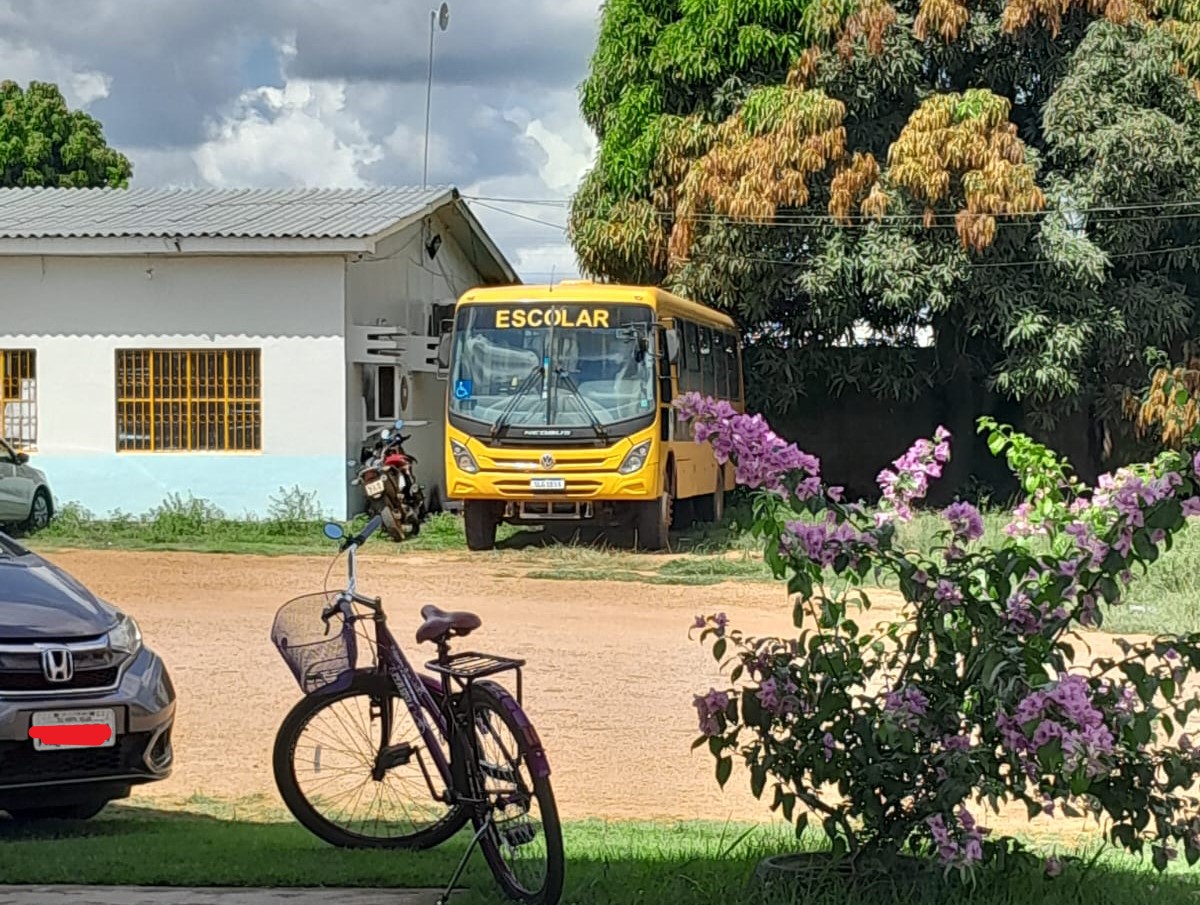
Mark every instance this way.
x=31 y=213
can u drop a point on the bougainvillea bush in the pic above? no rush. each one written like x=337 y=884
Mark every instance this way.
x=902 y=736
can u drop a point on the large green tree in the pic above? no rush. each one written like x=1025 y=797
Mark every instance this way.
x=1019 y=178
x=43 y=143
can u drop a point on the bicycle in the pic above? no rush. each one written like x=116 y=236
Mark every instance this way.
x=457 y=717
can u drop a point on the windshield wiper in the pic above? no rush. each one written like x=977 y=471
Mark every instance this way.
x=526 y=385
x=597 y=426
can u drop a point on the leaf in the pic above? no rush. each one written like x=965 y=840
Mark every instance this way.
x=724 y=768
x=800 y=583
x=801 y=821
x=719 y=649
x=758 y=781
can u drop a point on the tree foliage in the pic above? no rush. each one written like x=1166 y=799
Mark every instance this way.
x=1017 y=177
x=43 y=143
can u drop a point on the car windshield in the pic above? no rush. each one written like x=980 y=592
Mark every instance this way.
x=566 y=365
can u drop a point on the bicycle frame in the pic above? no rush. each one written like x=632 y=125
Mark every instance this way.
x=441 y=712
x=415 y=689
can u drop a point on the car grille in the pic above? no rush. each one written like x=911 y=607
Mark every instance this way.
x=19 y=763
x=35 y=681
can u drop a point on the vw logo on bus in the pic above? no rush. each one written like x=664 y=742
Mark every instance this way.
x=547 y=461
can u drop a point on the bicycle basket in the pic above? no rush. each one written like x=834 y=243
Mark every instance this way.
x=317 y=655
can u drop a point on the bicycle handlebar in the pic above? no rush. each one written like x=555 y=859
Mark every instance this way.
x=361 y=538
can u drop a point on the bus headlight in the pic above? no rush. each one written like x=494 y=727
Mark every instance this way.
x=463 y=458
x=635 y=458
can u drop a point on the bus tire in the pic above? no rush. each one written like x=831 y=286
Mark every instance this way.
x=654 y=520
x=480 y=523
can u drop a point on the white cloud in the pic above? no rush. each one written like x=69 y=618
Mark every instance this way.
x=79 y=85
x=301 y=134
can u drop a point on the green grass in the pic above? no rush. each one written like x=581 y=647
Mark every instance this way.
x=626 y=863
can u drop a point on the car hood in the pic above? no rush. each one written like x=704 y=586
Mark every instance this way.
x=39 y=601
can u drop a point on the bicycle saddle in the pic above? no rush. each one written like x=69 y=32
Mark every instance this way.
x=438 y=624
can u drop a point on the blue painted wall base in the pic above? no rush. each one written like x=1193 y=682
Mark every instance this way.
x=238 y=485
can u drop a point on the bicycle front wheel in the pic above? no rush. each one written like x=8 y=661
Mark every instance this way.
x=523 y=845
x=352 y=768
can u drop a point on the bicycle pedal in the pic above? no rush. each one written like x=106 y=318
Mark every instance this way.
x=519 y=835
x=395 y=756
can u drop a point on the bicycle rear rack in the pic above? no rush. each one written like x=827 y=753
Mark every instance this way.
x=471 y=665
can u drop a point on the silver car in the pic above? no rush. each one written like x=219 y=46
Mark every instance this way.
x=86 y=708
x=25 y=497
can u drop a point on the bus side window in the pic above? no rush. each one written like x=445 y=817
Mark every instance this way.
x=729 y=356
x=692 y=341
x=708 y=355
x=738 y=378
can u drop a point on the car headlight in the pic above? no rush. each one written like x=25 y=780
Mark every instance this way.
x=126 y=638
x=463 y=457
x=635 y=458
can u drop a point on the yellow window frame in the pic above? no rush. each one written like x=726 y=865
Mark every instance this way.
x=18 y=398
x=189 y=400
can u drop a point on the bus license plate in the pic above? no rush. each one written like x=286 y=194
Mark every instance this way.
x=375 y=488
x=547 y=483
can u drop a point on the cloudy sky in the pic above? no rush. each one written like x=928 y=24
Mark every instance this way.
x=332 y=93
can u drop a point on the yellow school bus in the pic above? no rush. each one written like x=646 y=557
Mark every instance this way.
x=558 y=407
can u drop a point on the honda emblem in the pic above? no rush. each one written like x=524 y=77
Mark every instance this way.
x=58 y=665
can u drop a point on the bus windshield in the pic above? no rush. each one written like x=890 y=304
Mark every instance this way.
x=558 y=365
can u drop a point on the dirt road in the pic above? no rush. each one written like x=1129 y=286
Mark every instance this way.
x=609 y=684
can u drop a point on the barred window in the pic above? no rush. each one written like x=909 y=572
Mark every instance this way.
x=189 y=400
x=18 y=398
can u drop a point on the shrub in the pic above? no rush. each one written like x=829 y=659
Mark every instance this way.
x=892 y=734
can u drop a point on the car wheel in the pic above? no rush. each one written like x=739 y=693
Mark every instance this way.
x=39 y=511
x=83 y=810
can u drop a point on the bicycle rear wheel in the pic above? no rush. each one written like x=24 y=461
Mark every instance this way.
x=523 y=847
x=325 y=752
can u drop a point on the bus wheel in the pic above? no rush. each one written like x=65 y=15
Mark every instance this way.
x=480 y=522
x=654 y=520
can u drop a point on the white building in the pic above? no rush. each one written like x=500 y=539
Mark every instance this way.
x=226 y=343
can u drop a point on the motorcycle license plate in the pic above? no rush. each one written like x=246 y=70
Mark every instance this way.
x=375 y=488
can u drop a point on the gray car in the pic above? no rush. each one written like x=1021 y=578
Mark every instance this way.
x=86 y=708
x=25 y=497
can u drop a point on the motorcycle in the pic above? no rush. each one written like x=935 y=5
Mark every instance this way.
x=385 y=472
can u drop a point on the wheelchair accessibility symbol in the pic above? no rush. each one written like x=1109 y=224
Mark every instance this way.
x=462 y=389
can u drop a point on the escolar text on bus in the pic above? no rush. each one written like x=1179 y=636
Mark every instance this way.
x=509 y=318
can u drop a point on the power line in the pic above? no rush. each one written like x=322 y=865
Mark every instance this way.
x=801 y=218
x=501 y=210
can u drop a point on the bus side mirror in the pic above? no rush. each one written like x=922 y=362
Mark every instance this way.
x=443 y=354
x=672 y=345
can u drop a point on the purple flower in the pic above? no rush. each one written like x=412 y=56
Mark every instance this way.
x=908 y=479
x=768 y=695
x=956 y=743
x=1196 y=463
x=707 y=708
x=965 y=521
x=827 y=744
x=700 y=622
x=721 y=620
x=761 y=457
x=905 y=706
x=947 y=594
x=1191 y=506
x=1054 y=867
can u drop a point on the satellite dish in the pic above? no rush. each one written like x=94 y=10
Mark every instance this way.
x=444 y=16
